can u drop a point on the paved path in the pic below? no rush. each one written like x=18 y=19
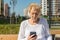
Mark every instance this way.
x=8 y=37
x=14 y=36
x=55 y=31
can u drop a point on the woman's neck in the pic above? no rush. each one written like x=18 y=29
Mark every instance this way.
x=33 y=21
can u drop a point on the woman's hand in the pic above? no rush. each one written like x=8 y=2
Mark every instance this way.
x=30 y=37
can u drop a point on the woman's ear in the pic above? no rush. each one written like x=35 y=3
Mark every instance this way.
x=28 y=14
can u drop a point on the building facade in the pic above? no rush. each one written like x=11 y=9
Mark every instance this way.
x=1 y=7
x=44 y=7
x=52 y=6
x=57 y=7
x=6 y=10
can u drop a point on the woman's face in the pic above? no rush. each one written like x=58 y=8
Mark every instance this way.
x=34 y=14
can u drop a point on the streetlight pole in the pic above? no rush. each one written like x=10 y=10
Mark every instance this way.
x=13 y=4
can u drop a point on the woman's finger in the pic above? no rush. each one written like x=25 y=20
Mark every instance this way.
x=32 y=35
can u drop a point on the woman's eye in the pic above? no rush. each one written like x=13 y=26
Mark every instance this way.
x=32 y=13
x=35 y=13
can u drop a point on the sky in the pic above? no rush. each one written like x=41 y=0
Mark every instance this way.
x=20 y=6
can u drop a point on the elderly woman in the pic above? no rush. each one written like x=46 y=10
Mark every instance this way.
x=35 y=28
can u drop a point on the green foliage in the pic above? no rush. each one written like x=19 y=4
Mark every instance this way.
x=4 y=21
x=56 y=18
x=13 y=20
x=21 y=18
x=45 y=17
x=9 y=28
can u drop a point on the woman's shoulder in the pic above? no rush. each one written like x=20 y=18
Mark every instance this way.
x=43 y=19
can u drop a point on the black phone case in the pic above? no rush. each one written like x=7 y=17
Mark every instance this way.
x=31 y=33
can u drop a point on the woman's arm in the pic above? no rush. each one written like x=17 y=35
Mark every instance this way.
x=48 y=35
x=22 y=32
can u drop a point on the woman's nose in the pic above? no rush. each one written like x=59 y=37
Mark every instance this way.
x=34 y=15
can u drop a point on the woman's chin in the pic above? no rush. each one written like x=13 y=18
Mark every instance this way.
x=34 y=19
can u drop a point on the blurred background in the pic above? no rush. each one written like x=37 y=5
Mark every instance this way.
x=12 y=12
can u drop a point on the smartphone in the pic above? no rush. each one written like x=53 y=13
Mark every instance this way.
x=31 y=33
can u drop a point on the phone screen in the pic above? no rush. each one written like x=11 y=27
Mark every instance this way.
x=31 y=33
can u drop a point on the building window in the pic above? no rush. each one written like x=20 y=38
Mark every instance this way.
x=58 y=10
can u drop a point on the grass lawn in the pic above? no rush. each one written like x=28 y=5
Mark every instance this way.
x=55 y=28
x=13 y=28
x=9 y=28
